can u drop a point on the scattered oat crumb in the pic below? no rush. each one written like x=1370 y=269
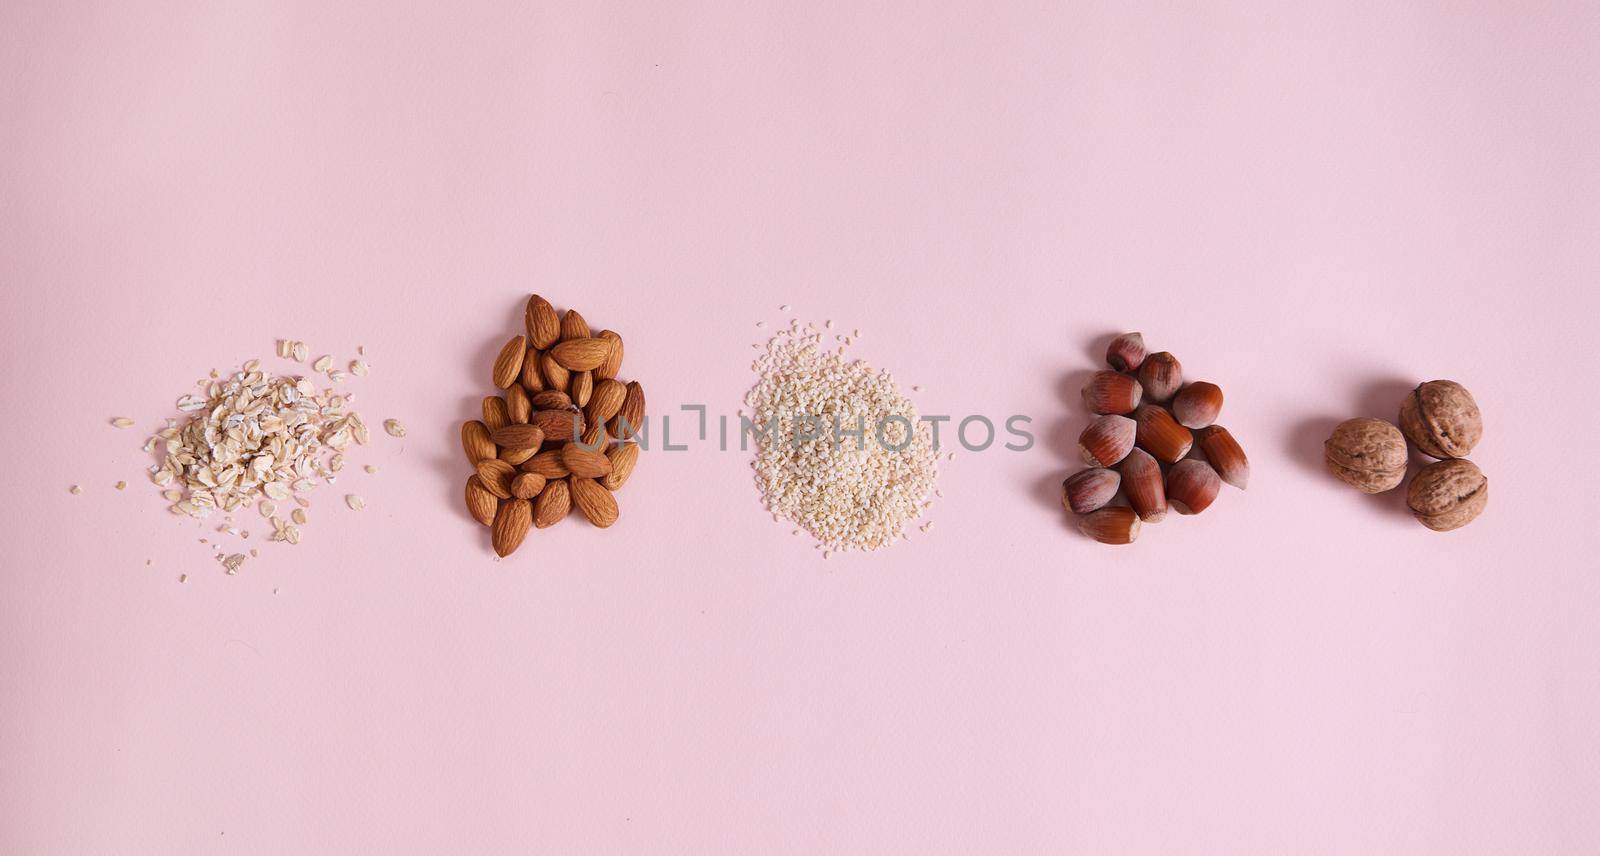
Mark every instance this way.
x=254 y=553
x=356 y=503
x=361 y=349
x=121 y=485
x=783 y=308
x=74 y=490
x=298 y=516
x=395 y=429
x=233 y=562
x=828 y=324
x=916 y=389
x=267 y=508
x=358 y=368
x=183 y=578
x=147 y=562
x=372 y=469
x=274 y=591
x=951 y=456
x=323 y=363
x=300 y=352
x=122 y=422
x=939 y=493
x=761 y=323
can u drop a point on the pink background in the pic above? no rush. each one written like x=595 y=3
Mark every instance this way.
x=1316 y=207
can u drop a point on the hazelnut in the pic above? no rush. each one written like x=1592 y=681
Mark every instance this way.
x=1114 y=524
x=1141 y=482
x=1161 y=435
x=1090 y=489
x=1109 y=392
x=1107 y=440
x=1367 y=454
x=1197 y=404
x=1192 y=485
x=1125 y=352
x=1448 y=494
x=1160 y=375
x=1225 y=455
x=1441 y=419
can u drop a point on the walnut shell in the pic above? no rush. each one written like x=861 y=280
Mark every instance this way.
x=1367 y=454
x=1448 y=494
x=1441 y=418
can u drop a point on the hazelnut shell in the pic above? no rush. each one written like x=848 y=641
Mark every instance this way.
x=1441 y=418
x=1367 y=454
x=1448 y=494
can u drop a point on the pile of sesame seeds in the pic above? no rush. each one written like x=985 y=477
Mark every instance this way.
x=840 y=451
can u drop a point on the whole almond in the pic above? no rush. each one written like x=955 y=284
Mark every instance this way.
x=573 y=326
x=605 y=401
x=494 y=413
x=555 y=377
x=510 y=526
x=623 y=458
x=593 y=501
x=629 y=420
x=585 y=463
x=581 y=388
x=553 y=504
x=516 y=456
x=508 y=365
x=613 y=363
x=532 y=381
x=475 y=441
x=547 y=464
x=594 y=436
x=481 y=503
x=518 y=436
x=580 y=355
x=518 y=407
x=495 y=475
x=558 y=425
x=527 y=485
x=544 y=326
x=551 y=399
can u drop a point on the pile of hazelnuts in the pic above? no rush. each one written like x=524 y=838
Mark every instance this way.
x=1154 y=444
x=1441 y=419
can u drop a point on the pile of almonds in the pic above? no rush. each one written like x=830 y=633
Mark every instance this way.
x=1140 y=445
x=1442 y=420
x=558 y=436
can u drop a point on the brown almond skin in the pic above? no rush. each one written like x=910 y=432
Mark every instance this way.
x=585 y=463
x=1090 y=489
x=1161 y=375
x=1224 y=454
x=508 y=365
x=547 y=464
x=495 y=476
x=1126 y=352
x=515 y=457
x=558 y=425
x=606 y=401
x=1107 y=440
x=518 y=406
x=573 y=326
x=1141 y=483
x=553 y=504
x=1112 y=393
x=581 y=355
x=624 y=457
x=495 y=415
x=1448 y=494
x=594 y=437
x=552 y=399
x=613 y=363
x=544 y=326
x=1161 y=435
x=517 y=436
x=475 y=441
x=593 y=501
x=555 y=376
x=532 y=381
x=1198 y=404
x=1442 y=419
x=527 y=485
x=1113 y=524
x=581 y=388
x=629 y=421
x=1366 y=453
x=481 y=503
x=1192 y=485
x=510 y=526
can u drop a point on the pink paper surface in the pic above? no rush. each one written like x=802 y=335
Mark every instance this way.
x=1314 y=205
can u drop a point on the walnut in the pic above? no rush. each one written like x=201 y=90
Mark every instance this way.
x=1441 y=418
x=1448 y=494
x=1367 y=454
